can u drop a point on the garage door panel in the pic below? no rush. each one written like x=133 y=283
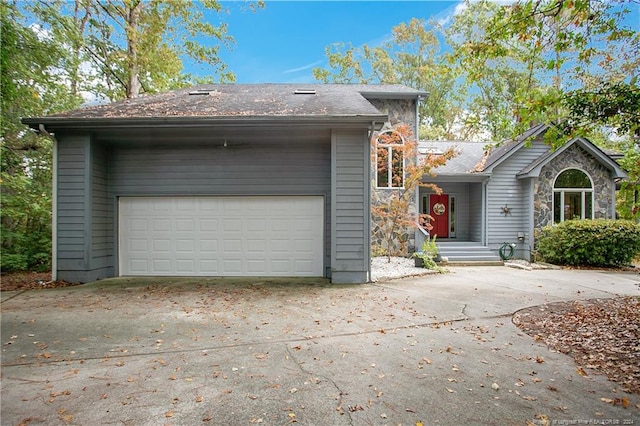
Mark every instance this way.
x=161 y=266
x=162 y=246
x=303 y=267
x=138 y=266
x=278 y=236
x=160 y=225
x=208 y=246
x=138 y=246
x=208 y=225
x=185 y=266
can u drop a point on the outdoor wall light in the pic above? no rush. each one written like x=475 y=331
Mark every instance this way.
x=506 y=210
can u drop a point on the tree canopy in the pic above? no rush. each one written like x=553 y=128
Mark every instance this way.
x=58 y=54
x=121 y=48
x=495 y=69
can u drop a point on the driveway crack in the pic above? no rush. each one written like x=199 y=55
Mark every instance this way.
x=464 y=308
x=339 y=408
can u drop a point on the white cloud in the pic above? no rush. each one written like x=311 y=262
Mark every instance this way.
x=304 y=67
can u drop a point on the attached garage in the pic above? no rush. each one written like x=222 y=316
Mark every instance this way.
x=219 y=180
x=221 y=236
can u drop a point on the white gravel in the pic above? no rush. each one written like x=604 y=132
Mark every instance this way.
x=399 y=267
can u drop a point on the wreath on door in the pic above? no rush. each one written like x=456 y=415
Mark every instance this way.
x=439 y=209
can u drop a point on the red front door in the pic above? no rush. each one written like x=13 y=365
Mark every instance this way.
x=439 y=210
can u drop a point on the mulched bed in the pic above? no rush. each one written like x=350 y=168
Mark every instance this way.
x=602 y=335
x=13 y=281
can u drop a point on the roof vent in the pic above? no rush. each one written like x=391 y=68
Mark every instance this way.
x=304 y=92
x=430 y=150
x=201 y=92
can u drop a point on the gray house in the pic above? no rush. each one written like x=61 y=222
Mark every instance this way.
x=219 y=180
x=497 y=195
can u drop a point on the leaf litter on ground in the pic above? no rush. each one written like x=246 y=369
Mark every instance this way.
x=601 y=335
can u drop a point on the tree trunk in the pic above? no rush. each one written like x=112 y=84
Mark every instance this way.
x=133 y=71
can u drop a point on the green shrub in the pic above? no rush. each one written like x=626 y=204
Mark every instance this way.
x=600 y=242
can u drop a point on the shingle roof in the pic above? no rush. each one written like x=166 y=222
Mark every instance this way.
x=255 y=100
x=501 y=152
x=469 y=156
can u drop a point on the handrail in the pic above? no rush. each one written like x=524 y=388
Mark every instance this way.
x=425 y=235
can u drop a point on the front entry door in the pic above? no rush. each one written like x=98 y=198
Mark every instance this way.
x=439 y=210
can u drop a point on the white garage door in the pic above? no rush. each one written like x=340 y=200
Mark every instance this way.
x=221 y=236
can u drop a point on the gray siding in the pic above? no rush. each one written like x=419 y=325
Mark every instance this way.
x=84 y=239
x=475 y=207
x=101 y=252
x=350 y=183
x=504 y=189
x=73 y=169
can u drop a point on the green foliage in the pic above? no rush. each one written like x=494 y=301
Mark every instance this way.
x=510 y=65
x=570 y=51
x=412 y=57
x=30 y=84
x=136 y=46
x=428 y=254
x=614 y=104
x=601 y=242
x=110 y=49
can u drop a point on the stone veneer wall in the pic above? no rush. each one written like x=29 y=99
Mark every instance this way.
x=577 y=158
x=400 y=112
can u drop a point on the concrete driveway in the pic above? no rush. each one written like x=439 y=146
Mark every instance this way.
x=439 y=349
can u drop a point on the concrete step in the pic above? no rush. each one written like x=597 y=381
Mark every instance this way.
x=464 y=252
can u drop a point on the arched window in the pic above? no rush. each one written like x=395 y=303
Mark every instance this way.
x=390 y=160
x=572 y=196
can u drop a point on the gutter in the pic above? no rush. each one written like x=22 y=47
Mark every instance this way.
x=96 y=123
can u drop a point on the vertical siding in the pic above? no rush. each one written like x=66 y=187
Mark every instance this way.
x=475 y=207
x=101 y=252
x=350 y=212
x=71 y=201
x=504 y=189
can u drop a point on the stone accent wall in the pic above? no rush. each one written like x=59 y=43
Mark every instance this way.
x=578 y=158
x=400 y=112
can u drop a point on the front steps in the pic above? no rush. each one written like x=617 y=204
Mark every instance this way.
x=468 y=253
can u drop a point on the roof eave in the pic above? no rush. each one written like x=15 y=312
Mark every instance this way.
x=585 y=144
x=94 y=123
x=393 y=95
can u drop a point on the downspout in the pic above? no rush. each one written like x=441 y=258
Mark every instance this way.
x=423 y=234
x=485 y=209
x=531 y=238
x=54 y=202
x=613 y=200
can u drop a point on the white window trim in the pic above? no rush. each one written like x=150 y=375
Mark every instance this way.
x=390 y=148
x=583 y=192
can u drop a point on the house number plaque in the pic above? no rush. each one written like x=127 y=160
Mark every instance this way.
x=439 y=209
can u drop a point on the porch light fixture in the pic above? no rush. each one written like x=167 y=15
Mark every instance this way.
x=506 y=210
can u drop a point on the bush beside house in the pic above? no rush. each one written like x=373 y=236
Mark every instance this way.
x=600 y=242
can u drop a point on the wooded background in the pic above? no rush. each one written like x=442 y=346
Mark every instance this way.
x=490 y=72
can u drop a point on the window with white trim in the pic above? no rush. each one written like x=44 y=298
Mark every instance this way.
x=390 y=160
x=572 y=196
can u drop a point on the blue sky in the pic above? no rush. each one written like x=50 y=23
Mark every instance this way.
x=282 y=42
